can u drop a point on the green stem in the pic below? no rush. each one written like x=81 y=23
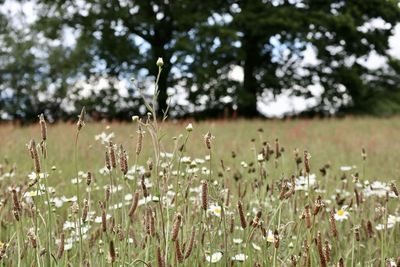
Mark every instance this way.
x=78 y=197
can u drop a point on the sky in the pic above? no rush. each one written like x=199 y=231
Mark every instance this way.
x=268 y=105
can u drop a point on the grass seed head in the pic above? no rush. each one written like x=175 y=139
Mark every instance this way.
x=43 y=127
x=178 y=252
x=81 y=119
x=191 y=243
x=176 y=226
x=32 y=238
x=135 y=201
x=307 y=162
x=332 y=224
x=207 y=139
x=113 y=256
x=61 y=245
x=204 y=195
x=321 y=253
x=242 y=216
x=111 y=151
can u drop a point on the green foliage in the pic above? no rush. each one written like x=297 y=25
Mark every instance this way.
x=200 y=42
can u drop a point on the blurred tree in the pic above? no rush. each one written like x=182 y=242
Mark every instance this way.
x=117 y=38
x=345 y=33
x=269 y=39
x=80 y=52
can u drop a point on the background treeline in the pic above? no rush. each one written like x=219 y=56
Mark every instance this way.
x=85 y=52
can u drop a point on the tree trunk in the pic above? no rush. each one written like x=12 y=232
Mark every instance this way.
x=247 y=95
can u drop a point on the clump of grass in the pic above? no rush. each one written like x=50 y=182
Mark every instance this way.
x=185 y=201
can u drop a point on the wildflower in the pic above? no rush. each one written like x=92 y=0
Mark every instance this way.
x=189 y=127
x=135 y=118
x=303 y=182
x=104 y=138
x=270 y=237
x=347 y=168
x=215 y=257
x=239 y=257
x=160 y=62
x=237 y=241
x=342 y=214
x=215 y=210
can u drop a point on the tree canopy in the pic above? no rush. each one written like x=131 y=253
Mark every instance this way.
x=85 y=52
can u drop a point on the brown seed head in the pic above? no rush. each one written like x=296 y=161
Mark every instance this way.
x=242 y=217
x=111 y=151
x=60 y=251
x=35 y=155
x=139 y=141
x=204 y=195
x=332 y=224
x=363 y=154
x=17 y=204
x=89 y=178
x=394 y=189
x=135 y=201
x=81 y=120
x=32 y=238
x=178 y=251
x=321 y=253
x=341 y=262
x=276 y=239
x=207 y=140
x=307 y=216
x=85 y=210
x=293 y=260
x=103 y=217
x=108 y=162
x=357 y=233
x=370 y=229
x=256 y=220
x=123 y=161
x=327 y=251
x=176 y=227
x=160 y=258
x=43 y=127
x=191 y=243
x=112 y=252
x=307 y=162
x=318 y=204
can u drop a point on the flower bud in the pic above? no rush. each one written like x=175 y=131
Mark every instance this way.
x=160 y=62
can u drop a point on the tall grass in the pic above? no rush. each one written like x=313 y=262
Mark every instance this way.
x=202 y=194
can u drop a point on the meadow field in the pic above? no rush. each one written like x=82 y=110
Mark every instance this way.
x=296 y=192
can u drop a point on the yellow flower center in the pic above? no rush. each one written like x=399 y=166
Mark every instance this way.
x=340 y=212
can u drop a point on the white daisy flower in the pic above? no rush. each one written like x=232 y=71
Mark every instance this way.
x=342 y=214
x=215 y=210
x=215 y=257
x=302 y=182
x=256 y=247
x=237 y=240
x=239 y=257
